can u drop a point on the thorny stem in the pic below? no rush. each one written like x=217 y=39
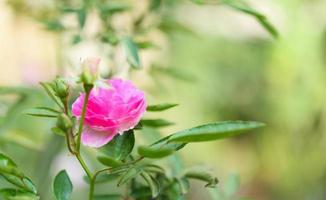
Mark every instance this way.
x=81 y=121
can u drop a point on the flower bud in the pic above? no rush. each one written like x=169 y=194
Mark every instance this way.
x=60 y=88
x=90 y=71
x=64 y=122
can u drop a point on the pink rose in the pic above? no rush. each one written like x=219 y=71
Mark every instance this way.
x=110 y=111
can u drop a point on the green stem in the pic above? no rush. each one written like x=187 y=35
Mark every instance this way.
x=83 y=164
x=81 y=121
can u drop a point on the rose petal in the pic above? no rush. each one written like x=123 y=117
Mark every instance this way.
x=96 y=139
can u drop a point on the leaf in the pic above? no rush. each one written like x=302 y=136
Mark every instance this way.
x=156 y=123
x=53 y=25
x=145 y=45
x=232 y=185
x=47 y=109
x=130 y=174
x=161 y=107
x=214 y=131
x=29 y=185
x=62 y=186
x=243 y=7
x=14 y=194
x=183 y=184
x=82 y=16
x=40 y=113
x=113 y=7
x=152 y=183
x=203 y=176
x=107 y=197
x=47 y=87
x=58 y=131
x=152 y=152
x=103 y=178
x=131 y=51
x=108 y=161
x=121 y=146
x=155 y=5
x=151 y=168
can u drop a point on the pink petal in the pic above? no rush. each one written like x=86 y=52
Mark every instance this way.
x=96 y=139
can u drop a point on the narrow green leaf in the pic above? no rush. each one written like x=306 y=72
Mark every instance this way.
x=109 y=161
x=156 y=123
x=152 y=152
x=14 y=194
x=161 y=107
x=62 y=186
x=151 y=168
x=130 y=174
x=41 y=115
x=131 y=51
x=214 y=131
x=47 y=109
x=155 y=5
x=47 y=87
x=245 y=8
x=203 y=176
x=121 y=146
x=183 y=184
x=152 y=183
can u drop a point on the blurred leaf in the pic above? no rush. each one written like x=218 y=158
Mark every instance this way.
x=14 y=194
x=108 y=161
x=141 y=193
x=107 y=197
x=121 y=145
x=245 y=8
x=232 y=185
x=152 y=183
x=155 y=5
x=152 y=152
x=214 y=131
x=169 y=25
x=40 y=113
x=58 y=131
x=203 y=176
x=53 y=25
x=130 y=174
x=131 y=51
x=113 y=7
x=22 y=139
x=183 y=184
x=62 y=186
x=145 y=45
x=82 y=16
x=29 y=185
x=216 y=193
x=76 y=39
x=156 y=123
x=161 y=107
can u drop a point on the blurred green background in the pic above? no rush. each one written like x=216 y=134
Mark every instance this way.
x=223 y=67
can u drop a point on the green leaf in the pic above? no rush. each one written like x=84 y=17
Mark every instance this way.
x=130 y=174
x=214 y=131
x=103 y=178
x=53 y=25
x=47 y=87
x=109 y=161
x=153 y=152
x=58 y=131
x=156 y=123
x=40 y=113
x=155 y=5
x=232 y=185
x=29 y=185
x=203 y=176
x=151 y=168
x=145 y=45
x=14 y=194
x=47 y=109
x=62 y=186
x=121 y=146
x=113 y=7
x=161 y=107
x=131 y=51
x=82 y=16
x=243 y=7
x=107 y=197
x=152 y=183
x=183 y=184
